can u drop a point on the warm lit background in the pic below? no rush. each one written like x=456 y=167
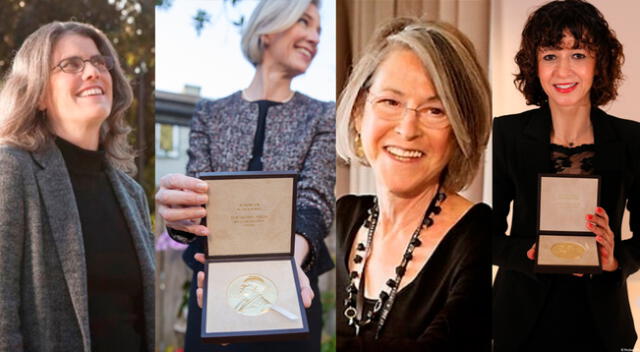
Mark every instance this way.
x=494 y=26
x=356 y=23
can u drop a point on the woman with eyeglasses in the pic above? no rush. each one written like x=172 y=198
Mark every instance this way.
x=266 y=126
x=413 y=259
x=76 y=250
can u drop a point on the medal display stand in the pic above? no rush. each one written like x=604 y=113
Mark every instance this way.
x=564 y=245
x=251 y=289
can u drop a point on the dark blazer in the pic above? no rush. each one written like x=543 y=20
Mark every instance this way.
x=43 y=279
x=521 y=150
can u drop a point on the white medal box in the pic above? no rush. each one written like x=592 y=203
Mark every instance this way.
x=251 y=289
x=564 y=244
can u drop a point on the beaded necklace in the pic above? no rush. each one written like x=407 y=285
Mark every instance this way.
x=354 y=302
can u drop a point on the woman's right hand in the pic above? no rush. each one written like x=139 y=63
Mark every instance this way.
x=200 y=283
x=531 y=253
x=180 y=199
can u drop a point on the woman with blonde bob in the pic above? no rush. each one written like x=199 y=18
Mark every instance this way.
x=266 y=126
x=76 y=251
x=414 y=260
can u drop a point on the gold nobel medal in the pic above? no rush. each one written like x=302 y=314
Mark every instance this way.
x=567 y=250
x=251 y=295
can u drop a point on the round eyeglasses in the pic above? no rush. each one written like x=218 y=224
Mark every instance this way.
x=76 y=64
x=392 y=109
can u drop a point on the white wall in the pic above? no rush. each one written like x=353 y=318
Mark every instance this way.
x=507 y=20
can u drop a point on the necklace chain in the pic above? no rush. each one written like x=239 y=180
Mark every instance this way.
x=354 y=303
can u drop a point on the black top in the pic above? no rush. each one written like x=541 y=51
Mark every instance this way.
x=521 y=151
x=193 y=340
x=566 y=315
x=255 y=164
x=574 y=161
x=447 y=305
x=293 y=135
x=114 y=281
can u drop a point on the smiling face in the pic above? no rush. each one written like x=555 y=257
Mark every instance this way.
x=407 y=153
x=81 y=99
x=294 y=48
x=566 y=73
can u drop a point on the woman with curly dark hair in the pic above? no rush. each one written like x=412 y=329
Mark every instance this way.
x=569 y=64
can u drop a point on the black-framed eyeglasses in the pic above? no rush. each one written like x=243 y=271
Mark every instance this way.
x=76 y=64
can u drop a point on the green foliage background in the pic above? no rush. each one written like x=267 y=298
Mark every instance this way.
x=129 y=24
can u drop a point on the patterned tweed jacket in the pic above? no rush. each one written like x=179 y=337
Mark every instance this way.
x=44 y=304
x=299 y=136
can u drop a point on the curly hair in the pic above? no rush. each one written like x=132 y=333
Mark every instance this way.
x=545 y=28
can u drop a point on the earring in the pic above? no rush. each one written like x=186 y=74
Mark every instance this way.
x=357 y=141
x=263 y=42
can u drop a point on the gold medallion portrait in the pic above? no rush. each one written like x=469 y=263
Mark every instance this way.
x=251 y=295
x=567 y=250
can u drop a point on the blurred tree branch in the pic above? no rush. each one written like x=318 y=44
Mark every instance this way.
x=129 y=24
x=202 y=17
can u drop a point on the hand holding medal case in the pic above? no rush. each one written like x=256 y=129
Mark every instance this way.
x=564 y=245
x=251 y=289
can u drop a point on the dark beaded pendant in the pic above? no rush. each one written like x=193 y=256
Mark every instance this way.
x=385 y=301
x=383 y=296
x=369 y=314
x=377 y=307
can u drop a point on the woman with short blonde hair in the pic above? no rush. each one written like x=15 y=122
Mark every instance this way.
x=270 y=17
x=266 y=126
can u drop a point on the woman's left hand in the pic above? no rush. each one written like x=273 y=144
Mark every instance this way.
x=598 y=223
x=301 y=251
x=301 y=248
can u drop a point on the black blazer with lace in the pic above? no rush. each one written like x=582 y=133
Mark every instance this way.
x=522 y=150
